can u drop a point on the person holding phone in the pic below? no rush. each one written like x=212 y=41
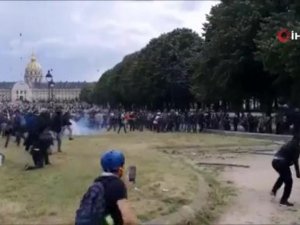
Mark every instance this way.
x=107 y=196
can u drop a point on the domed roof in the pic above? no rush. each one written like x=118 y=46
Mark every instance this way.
x=33 y=67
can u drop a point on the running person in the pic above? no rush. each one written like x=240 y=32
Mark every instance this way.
x=122 y=122
x=57 y=128
x=287 y=156
x=67 y=124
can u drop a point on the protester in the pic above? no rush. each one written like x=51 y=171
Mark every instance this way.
x=23 y=119
x=107 y=196
x=39 y=139
x=67 y=124
x=287 y=156
x=57 y=128
x=122 y=122
x=190 y=120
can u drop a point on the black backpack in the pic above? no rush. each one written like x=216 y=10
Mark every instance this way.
x=92 y=206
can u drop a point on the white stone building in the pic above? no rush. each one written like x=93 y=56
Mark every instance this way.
x=35 y=87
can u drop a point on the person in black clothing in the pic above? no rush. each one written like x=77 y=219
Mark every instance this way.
x=115 y=191
x=121 y=121
x=108 y=195
x=40 y=142
x=201 y=121
x=57 y=124
x=19 y=127
x=8 y=132
x=287 y=156
x=45 y=137
x=235 y=122
x=32 y=129
x=226 y=122
x=67 y=124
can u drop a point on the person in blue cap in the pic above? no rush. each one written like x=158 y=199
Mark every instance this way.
x=108 y=195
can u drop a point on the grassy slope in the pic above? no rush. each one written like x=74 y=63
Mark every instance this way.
x=53 y=194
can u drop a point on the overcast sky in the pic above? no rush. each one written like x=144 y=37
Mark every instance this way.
x=80 y=40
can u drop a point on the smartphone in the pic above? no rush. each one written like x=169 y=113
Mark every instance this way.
x=132 y=174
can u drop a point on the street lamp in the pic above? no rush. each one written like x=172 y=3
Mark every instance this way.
x=52 y=84
x=49 y=78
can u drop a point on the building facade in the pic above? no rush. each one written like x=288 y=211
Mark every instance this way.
x=36 y=88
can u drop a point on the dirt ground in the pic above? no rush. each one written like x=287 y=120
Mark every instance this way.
x=253 y=180
x=55 y=191
x=253 y=203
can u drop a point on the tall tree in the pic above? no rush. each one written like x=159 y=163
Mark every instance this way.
x=281 y=59
x=86 y=94
x=228 y=69
x=158 y=75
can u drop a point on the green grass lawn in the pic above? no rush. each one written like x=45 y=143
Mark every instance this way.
x=52 y=195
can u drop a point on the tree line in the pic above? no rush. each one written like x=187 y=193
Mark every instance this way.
x=238 y=60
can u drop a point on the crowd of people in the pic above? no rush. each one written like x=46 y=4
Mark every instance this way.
x=187 y=121
x=39 y=125
x=36 y=128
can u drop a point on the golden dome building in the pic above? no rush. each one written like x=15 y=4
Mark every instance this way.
x=33 y=72
x=35 y=87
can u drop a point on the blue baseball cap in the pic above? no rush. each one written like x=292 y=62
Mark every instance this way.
x=112 y=160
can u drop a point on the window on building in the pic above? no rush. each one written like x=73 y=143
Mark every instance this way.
x=17 y=92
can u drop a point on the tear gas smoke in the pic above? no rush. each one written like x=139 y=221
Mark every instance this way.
x=81 y=128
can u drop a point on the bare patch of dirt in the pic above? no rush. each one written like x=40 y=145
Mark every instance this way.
x=253 y=204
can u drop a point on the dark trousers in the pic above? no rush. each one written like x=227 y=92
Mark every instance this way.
x=141 y=126
x=285 y=176
x=120 y=126
x=201 y=126
x=19 y=135
x=45 y=156
x=131 y=125
x=112 y=125
x=38 y=159
x=156 y=128
x=58 y=139
x=235 y=125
